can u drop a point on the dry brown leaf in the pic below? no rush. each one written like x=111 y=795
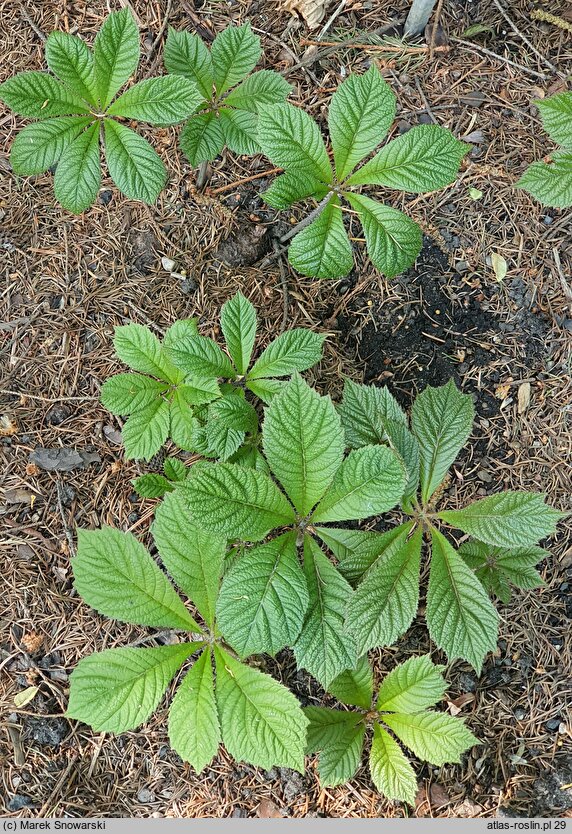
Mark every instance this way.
x=312 y=11
x=499 y=266
x=523 y=397
x=32 y=642
x=268 y=810
x=501 y=391
x=439 y=796
x=457 y=704
x=8 y=426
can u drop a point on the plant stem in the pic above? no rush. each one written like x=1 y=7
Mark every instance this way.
x=309 y=219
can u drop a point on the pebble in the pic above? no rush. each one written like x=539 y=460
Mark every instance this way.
x=519 y=714
x=145 y=796
x=168 y=264
x=20 y=801
x=553 y=724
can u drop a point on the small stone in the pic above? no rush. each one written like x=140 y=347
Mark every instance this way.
x=553 y=724
x=105 y=197
x=485 y=476
x=20 y=801
x=547 y=220
x=57 y=414
x=168 y=264
x=145 y=796
x=519 y=714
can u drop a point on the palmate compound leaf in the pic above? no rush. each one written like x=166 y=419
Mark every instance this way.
x=411 y=686
x=71 y=60
x=292 y=139
x=295 y=350
x=556 y=115
x=359 y=550
x=78 y=175
x=433 y=736
x=393 y=240
x=261 y=721
x=338 y=737
x=360 y=114
x=509 y=519
x=236 y=502
x=238 y=324
x=116 y=54
x=441 y=420
x=354 y=686
x=38 y=95
x=264 y=598
x=390 y=770
x=370 y=481
x=235 y=52
x=498 y=567
x=118 y=689
x=40 y=145
x=385 y=602
x=116 y=575
x=185 y=54
x=425 y=158
x=323 y=249
x=550 y=182
x=461 y=619
x=324 y=648
x=163 y=100
x=194 y=729
x=135 y=168
x=303 y=443
x=192 y=557
x=364 y=410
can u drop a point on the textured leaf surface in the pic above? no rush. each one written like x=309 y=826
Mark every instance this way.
x=71 y=60
x=295 y=350
x=194 y=730
x=550 y=182
x=78 y=175
x=165 y=100
x=185 y=54
x=290 y=187
x=264 y=598
x=358 y=550
x=406 y=445
x=202 y=357
x=370 y=481
x=40 y=145
x=461 y=619
x=116 y=54
x=361 y=112
x=393 y=240
x=303 y=443
x=441 y=419
x=509 y=519
x=262 y=722
x=235 y=52
x=390 y=771
x=118 y=689
x=354 y=686
x=141 y=350
x=265 y=389
x=411 y=686
x=182 y=424
x=323 y=249
x=240 y=130
x=136 y=169
x=433 y=736
x=385 y=602
x=152 y=485
x=38 y=95
x=238 y=324
x=324 y=647
x=292 y=140
x=180 y=329
x=237 y=502
x=147 y=430
x=259 y=90
x=338 y=737
x=556 y=115
x=364 y=409
x=425 y=158
x=193 y=557
x=496 y=567
x=127 y=393
x=202 y=138
x=117 y=576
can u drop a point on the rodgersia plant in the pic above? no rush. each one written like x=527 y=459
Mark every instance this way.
x=361 y=112
x=77 y=105
x=231 y=97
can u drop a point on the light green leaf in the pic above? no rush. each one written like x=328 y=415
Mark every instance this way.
x=38 y=95
x=262 y=722
x=238 y=324
x=433 y=736
x=239 y=128
x=292 y=140
x=128 y=393
x=234 y=411
x=549 y=182
x=411 y=686
x=40 y=145
x=78 y=175
x=164 y=100
x=236 y=502
x=135 y=168
x=295 y=350
x=361 y=112
x=202 y=138
x=180 y=329
x=186 y=54
x=116 y=54
x=370 y=481
x=393 y=240
x=323 y=249
x=265 y=389
x=290 y=187
x=147 y=430
x=354 y=686
x=116 y=575
x=259 y=90
x=303 y=443
x=263 y=599
x=556 y=115
x=425 y=158
x=441 y=420
x=182 y=424
x=509 y=519
x=324 y=647
x=385 y=602
x=152 y=485
x=193 y=557
x=364 y=410
x=199 y=391
x=250 y=457
x=235 y=52
x=71 y=60
x=461 y=619
x=223 y=440
x=118 y=689
x=390 y=771
x=141 y=350
x=194 y=729
x=202 y=357
x=175 y=470
x=358 y=550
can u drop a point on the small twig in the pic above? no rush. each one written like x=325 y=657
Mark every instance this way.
x=474 y=46
x=47 y=399
x=10 y=325
x=566 y=288
x=238 y=183
x=308 y=219
x=380 y=47
x=157 y=40
x=523 y=37
x=329 y=22
x=434 y=29
x=425 y=102
x=283 y=281
x=31 y=23
x=67 y=528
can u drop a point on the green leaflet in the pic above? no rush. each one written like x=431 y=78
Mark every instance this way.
x=338 y=737
x=116 y=54
x=147 y=430
x=303 y=443
x=194 y=729
x=497 y=567
x=290 y=187
x=364 y=410
x=160 y=101
x=509 y=519
x=390 y=771
x=411 y=686
x=185 y=54
x=460 y=616
x=235 y=52
x=238 y=324
x=200 y=356
x=71 y=60
x=134 y=166
x=295 y=350
x=182 y=424
x=292 y=140
x=354 y=686
x=202 y=138
x=39 y=146
x=432 y=736
x=556 y=115
x=359 y=550
x=550 y=182
x=265 y=389
x=141 y=350
x=38 y=95
x=264 y=598
x=193 y=558
x=78 y=175
x=323 y=249
x=128 y=393
x=259 y=90
x=152 y=485
x=118 y=689
x=239 y=129
x=261 y=721
x=116 y=575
